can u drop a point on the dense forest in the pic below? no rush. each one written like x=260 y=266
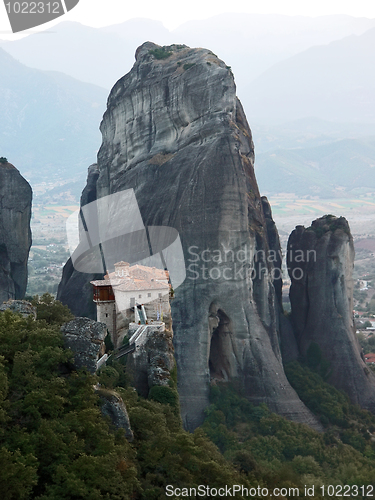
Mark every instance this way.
x=55 y=443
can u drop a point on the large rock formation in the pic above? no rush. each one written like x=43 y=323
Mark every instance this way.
x=15 y=233
x=175 y=132
x=320 y=263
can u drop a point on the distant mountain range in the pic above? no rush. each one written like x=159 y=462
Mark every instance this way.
x=307 y=86
x=87 y=54
x=49 y=125
x=332 y=82
x=307 y=132
x=335 y=169
x=249 y=43
x=253 y=43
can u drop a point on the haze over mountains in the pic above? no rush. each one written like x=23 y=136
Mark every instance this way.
x=328 y=170
x=249 y=43
x=49 y=121
x=317 y=71
x=333 y=82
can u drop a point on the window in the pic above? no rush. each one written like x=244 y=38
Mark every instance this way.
x=132 y=301
x=159 y=295
x=149 y=295
x=106 y=315
x=139 y=296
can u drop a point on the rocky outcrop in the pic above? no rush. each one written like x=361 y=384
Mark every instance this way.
x=85 y=338
x=175 y=132
x=113 y=406
x=152 y=362
x=74 y=288
x=320 y=263
x=15 y=233
x=22 y=307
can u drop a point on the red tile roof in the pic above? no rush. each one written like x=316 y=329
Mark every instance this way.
x=140 y=278
x=370 y=357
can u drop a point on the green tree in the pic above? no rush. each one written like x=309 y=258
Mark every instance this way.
x=50 y=310
x=274 y=451
x=54 y=442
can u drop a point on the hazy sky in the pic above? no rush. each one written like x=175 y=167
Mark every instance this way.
x=173 y=13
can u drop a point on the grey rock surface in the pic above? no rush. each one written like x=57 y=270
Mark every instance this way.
x=320 y=262
x=85 y=337
x=175 y=132
x=288 y=342
x=22 y=307
x=275 y=254
x=152 y=362
x=15 y=233
x=114 y=407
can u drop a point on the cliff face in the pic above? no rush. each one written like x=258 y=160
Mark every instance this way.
x=152 y=362
x=175 y=132
x=85 y=338
x=320 y=262
x=15 y=233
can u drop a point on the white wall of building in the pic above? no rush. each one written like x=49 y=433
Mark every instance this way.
x=124 y=298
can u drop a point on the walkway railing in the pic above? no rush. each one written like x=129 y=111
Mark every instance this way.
x=136 y=340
